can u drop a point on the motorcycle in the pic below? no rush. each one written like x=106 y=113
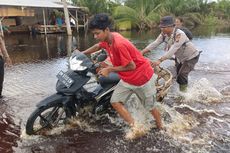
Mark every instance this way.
x=72 y=96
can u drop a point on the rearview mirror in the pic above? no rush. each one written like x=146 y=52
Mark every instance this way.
x=101 y=57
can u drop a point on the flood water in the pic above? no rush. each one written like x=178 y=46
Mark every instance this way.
x=200 y=122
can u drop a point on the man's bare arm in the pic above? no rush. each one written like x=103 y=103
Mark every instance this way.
x=129 y=67
x=92 y=49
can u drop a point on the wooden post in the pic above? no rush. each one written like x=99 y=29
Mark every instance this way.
x=77 y=24
x=44 y=19
x=69 y=32
x=1 y=29
x=2 y=33
x=85 y=24
x=47 y=47
x=69 y=45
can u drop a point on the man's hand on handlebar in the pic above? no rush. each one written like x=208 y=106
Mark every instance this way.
x=105 y=71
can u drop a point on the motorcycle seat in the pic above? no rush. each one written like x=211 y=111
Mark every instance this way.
x=112 y=79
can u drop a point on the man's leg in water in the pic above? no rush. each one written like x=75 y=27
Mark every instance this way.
x=120 y=95
x=147 y=95
x=123 y=112
x=156 y=114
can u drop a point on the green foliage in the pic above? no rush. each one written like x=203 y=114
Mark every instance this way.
x=57 y=13
x=97 y=6
x=141 y=13
x=175 y=7
x=194 y=18
x=222 y=9
x=146 y=13
x=210 y=20
x=125 y=25
x=153 y=20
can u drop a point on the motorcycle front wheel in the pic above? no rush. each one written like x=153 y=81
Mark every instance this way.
x=45 y=118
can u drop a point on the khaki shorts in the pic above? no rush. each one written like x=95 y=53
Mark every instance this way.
x=146 y=93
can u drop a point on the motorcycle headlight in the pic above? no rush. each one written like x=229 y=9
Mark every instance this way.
x=76 y=65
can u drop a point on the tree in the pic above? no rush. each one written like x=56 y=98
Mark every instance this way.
x=222 y=9
x=142 y=13
x=97 y=6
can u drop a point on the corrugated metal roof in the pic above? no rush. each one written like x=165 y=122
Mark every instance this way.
x=35 y=3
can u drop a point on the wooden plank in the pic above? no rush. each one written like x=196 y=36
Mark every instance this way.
x=50 y=29
x=20 y=11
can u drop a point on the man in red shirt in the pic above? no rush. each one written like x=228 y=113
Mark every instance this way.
x=136 y=73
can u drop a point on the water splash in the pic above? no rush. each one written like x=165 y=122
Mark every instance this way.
x=202 y=91
x=73 y=123
x=176 y=124
x=136 y=131
x=180 y=124
x=200 y=112
x=226 y=91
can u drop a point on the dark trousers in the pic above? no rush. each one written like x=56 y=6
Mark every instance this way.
x=184 y=69
x=1 y=74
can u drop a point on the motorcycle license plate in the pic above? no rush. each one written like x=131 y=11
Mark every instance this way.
x=65 y=79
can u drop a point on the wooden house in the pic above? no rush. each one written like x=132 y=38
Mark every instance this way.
x=27 y=15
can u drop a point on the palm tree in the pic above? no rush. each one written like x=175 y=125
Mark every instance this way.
x=190 y=10
x=97 y=6
x=223 y=9
x=147 y=13
x=141 y=13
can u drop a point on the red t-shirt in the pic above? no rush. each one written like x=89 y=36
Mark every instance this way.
x=121 y=53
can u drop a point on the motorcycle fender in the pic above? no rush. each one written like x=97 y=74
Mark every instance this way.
x=54 y=99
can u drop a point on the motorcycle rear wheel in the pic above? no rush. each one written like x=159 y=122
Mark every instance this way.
x=45 y=118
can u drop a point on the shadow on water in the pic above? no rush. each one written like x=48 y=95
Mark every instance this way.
x=195 y=125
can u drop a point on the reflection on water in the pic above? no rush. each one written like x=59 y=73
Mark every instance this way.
x=210 y=31
x=25 y=48
x=198 y=123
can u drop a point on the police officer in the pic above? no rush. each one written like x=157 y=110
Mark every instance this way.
x=178 y=44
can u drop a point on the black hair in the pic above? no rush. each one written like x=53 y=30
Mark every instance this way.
x=100 y=21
